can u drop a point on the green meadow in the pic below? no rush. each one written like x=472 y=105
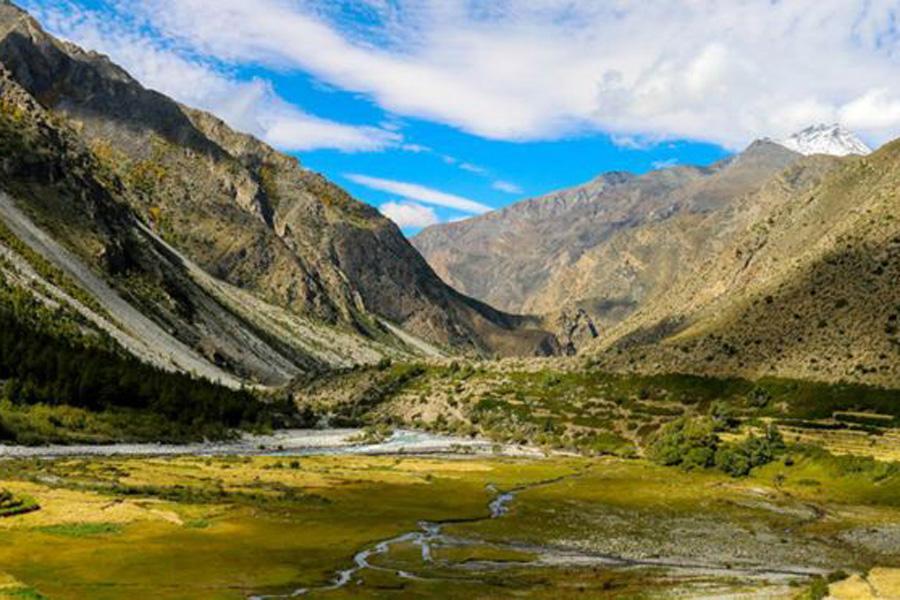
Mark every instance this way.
x=232 y=528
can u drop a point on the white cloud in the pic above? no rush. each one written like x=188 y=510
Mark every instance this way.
x=415 y=148
x=471 y=168
x=664 y=164
x=409 y=214
x=251 y=106
x=507 y=187
x=724 y=72
x=420 y=193
x=875 y=109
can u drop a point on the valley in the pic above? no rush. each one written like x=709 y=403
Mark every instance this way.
x=223 y=376
x=469 y=527
x=543 y=496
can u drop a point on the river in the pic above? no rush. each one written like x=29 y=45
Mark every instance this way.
x=289 y=442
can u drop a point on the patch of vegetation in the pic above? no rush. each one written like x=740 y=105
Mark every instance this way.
x=589 y=411
x=695 y=444
x=49 y=271
x=384 y=381
x=12 y=505
x=81 y=530
x=814 y=400
x=846 y=465
x=60 y=322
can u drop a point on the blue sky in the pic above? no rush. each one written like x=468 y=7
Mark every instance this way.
x=436 y=110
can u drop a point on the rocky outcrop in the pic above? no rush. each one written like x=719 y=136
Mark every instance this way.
x=575 y=330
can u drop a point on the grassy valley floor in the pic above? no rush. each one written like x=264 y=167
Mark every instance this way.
x=454 y=527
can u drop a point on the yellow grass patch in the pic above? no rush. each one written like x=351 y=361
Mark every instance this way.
x=61 y=507
x=881 y=582
x=11 y=588
x=885 y=581
x=884 y=447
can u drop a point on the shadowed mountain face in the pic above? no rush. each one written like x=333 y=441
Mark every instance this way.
x=808 y=289
x=604 y=247
x=218 y=206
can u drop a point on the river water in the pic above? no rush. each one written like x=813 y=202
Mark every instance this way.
x=290 y=442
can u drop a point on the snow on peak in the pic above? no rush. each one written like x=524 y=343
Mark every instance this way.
x=826 y=139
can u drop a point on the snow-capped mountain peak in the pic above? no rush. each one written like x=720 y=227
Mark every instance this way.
x=826 y=139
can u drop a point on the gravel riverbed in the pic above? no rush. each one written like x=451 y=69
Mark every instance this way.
x=287 y=442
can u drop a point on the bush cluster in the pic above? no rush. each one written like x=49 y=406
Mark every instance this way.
x=694 y=443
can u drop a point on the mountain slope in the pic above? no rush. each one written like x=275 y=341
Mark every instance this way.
x=809 y=290
x=68 y=238
x=256 y=265
x=604 y=247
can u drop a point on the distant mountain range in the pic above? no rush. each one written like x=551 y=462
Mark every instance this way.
x=808 y=289
x=201 y=249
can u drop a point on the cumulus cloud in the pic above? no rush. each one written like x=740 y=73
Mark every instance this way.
x=248 y=105
x=507 y=187
x=723 y=72
x=420 y=193
x=409 y=214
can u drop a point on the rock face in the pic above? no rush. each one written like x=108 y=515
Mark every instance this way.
x=279 y=238
x=574 y=330
x=604 y=247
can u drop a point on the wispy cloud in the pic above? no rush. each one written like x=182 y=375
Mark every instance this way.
x=252 y=105
x=723 y=72
x=664 y=164
x=420 y=193
x=507 y=187
x=409 y=214
x=472 y=168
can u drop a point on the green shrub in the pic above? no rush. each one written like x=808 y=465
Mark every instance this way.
x=686 y=442
x=759 y=397
x=732 y=461
x=724 y=414
x=694 y=444
x=699 y=457
x=739 y=459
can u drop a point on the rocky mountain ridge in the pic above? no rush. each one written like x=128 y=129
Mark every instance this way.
x=603 y=247
x=257 y=267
